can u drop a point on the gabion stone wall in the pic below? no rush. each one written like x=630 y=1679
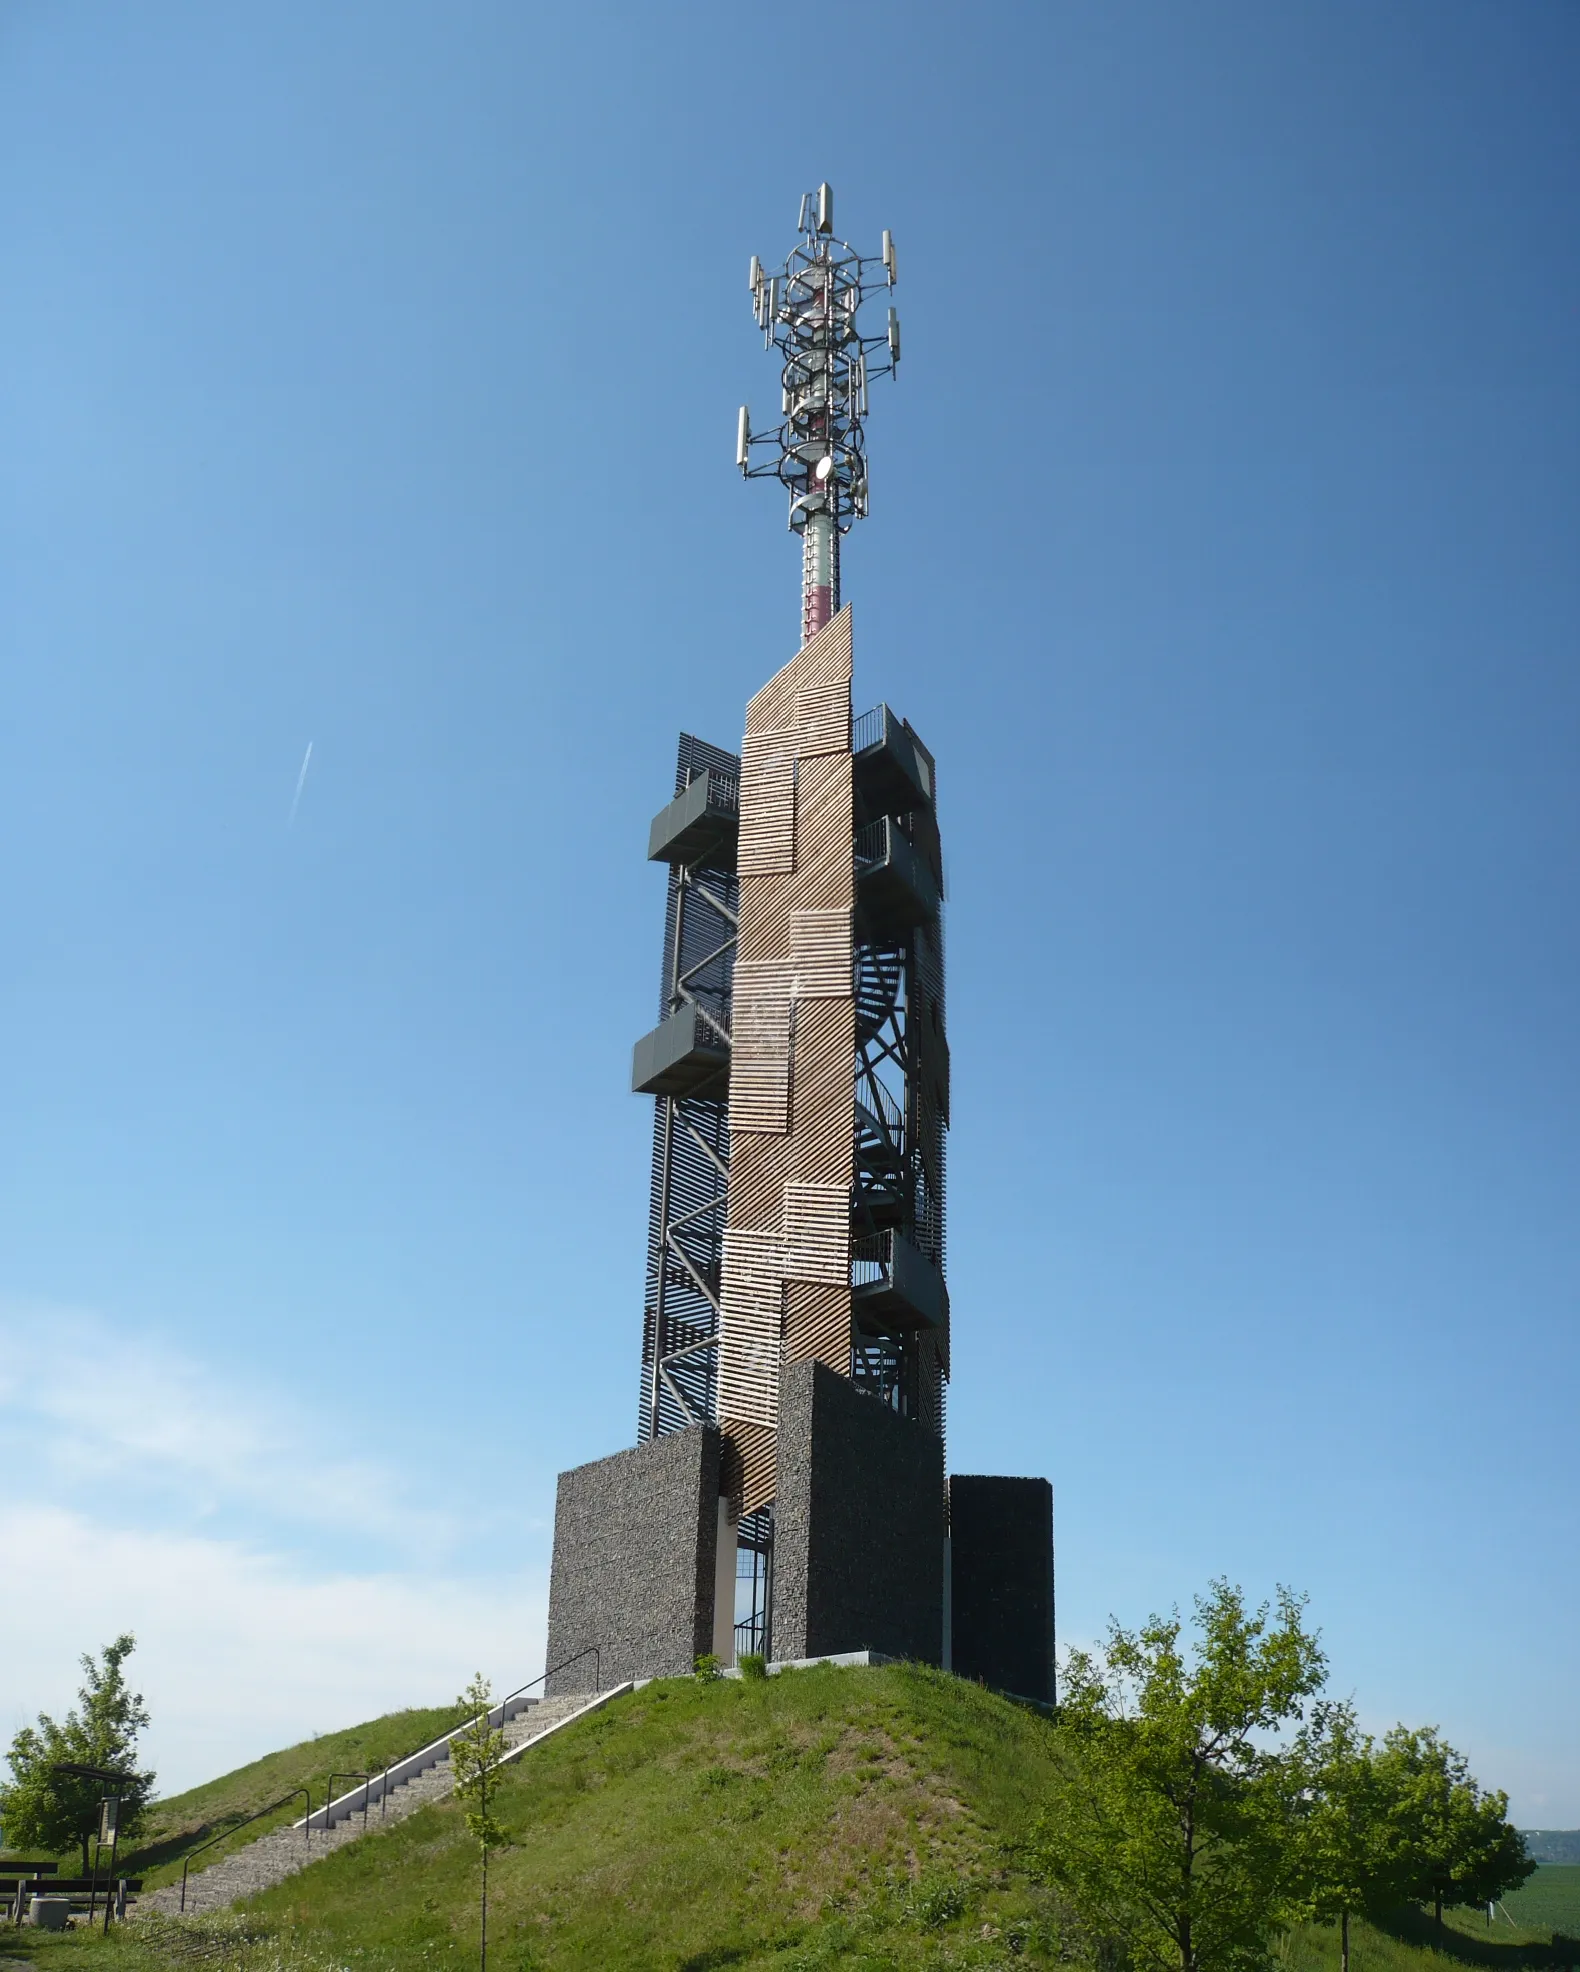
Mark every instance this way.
x=858 y=1523
x=634 y=1541
x=1001 y=1581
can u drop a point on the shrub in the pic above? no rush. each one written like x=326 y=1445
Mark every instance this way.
x=937 y=1901
x=754 y=1665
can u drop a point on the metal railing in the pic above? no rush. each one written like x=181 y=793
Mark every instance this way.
x=871 y=1258
x=880 y=1105
x=872 y=843
x=225 y=1834
x=867 y=728
x=498 y=1715
x=345 y=1773
x=722 y=791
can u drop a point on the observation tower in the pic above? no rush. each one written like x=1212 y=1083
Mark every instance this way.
x=787 y=1493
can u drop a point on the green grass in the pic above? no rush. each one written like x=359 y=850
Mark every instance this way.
x=830 y=1820
x=1550 y=1900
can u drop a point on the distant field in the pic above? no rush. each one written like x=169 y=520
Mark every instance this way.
x=1550 y=1901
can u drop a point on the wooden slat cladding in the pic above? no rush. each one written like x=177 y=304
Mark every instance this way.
x=822 y=717
x=821 y=1148
x=756 y=1200
x=749 y=1324
x=823 y=661
x=746 y=1465
x=792 y=1063
x=817 y=1233
x=767 y=839
x=760 y=1049
x=824 y=877
x=817 y=1324
x=821 y=963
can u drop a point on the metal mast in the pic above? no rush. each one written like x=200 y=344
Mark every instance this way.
x=809 y=311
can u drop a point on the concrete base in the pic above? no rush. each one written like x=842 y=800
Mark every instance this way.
x=858 y=1525
x=635 y=1540
x=1001 y=1587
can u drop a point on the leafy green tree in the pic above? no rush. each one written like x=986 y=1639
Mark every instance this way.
x=1453 y=1840
x=1174 y=1827
x=474 y=1758
x=41 y=1809
x=1350 y=1860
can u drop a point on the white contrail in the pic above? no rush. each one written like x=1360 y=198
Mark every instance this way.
x=301 y=781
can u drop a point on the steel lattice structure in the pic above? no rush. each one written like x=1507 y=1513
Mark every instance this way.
x=691 y=1130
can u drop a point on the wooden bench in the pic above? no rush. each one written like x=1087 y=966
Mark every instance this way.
x=20 y=1881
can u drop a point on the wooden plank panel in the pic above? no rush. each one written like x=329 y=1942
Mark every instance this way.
x=817 y=1324
x=760 y=1050
x=821 y=961
x=817 y=1233
x=746 y=1465
x=822 y=718
x=825 y=659
x=821 y=1144
x=757 y=1180
x=825 y=876
x=750 y=1323
x=767 y=837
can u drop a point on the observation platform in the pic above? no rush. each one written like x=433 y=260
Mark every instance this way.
x=894 y=886
x=699 y=824
x=895 y=1283
x=893 y=770
x=678 y=1056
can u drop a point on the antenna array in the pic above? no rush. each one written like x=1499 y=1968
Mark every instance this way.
x=810 y=312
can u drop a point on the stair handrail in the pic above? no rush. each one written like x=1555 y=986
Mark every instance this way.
x=226 y=1833
x=444 y=1738
x=543 y=1677
x=346 y=1773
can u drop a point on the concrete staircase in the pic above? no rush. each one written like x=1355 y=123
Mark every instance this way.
x=424 y=1777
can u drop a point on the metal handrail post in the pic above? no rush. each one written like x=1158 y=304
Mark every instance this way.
x=225 y=1833
x=346 y=1773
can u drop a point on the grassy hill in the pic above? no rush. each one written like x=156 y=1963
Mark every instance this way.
x=825 y=1819
x=180 y=1824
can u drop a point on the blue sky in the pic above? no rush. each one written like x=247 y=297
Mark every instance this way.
x=368 y=378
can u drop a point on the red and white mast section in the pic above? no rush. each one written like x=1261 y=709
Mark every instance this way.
x=810 y=312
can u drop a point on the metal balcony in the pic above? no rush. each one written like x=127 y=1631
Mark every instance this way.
x=699 y=824
x=894 y=886
x=896 y=1283
x=679 y=1056
x=894 y=771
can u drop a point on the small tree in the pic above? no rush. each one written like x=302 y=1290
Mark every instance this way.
x=45 y=1810
x=474 y=1757
x=1454 y=1841
x=1349 y=1851
x=1173 y=1829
